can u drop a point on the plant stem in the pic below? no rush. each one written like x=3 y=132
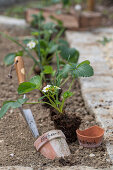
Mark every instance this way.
x=39 y=48
x=45 y=103
x=53 y=104
x=59 y=34
x=65 y=81
x=71 y=84
x=38 y=103
x=62 y=104
x=58 y=69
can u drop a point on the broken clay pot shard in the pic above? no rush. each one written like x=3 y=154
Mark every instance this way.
x=52 y=144
x=91 y=137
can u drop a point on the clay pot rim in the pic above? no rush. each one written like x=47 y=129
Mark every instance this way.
x=90 y=137
x=48 y=141
x=40 y=145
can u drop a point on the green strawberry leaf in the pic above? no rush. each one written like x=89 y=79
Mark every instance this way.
x=37 y=81
x=11 y=104
x=9 y=59
x=83 y=70
x=67 y=94
x=48 y=69
x=26 y=87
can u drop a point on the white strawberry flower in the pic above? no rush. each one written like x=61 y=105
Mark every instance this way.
x=31 y=44
x=46 y=88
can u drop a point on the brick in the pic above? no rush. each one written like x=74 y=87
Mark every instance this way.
x=90 y=19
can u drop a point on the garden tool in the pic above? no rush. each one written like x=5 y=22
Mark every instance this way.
x=26 y=113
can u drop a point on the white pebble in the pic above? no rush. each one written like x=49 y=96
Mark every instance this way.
x=1 y=141
x=12 y=154
x=108 y=160
x=11 y=111
x=81 y=147
x=92 y=155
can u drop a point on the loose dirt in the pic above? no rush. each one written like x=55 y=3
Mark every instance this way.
x=16 y=141
x=67 y=122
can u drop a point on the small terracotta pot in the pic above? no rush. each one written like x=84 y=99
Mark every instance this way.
x=91 y=137
x=52 y=144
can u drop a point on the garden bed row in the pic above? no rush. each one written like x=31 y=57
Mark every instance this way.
x=16 y=140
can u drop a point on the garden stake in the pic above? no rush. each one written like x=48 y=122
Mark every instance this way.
x=26 y=113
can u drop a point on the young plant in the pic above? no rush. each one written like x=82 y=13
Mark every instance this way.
x=44 y=48
x=66 y=4
x=105 y=40
x=40 y=42
x=38 y=20
x=68 y=55
x=46 y=29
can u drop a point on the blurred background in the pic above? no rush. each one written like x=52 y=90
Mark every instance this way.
x=16 y=8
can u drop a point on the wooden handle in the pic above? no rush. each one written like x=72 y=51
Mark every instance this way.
x=19 y=65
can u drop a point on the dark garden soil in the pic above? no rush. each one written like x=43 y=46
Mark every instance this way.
x=16 y=141
x=66 y=123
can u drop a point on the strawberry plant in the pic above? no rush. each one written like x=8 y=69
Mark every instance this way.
x=61 y=76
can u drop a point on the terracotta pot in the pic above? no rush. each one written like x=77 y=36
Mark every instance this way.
x=91 y=137
x=52 y=144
